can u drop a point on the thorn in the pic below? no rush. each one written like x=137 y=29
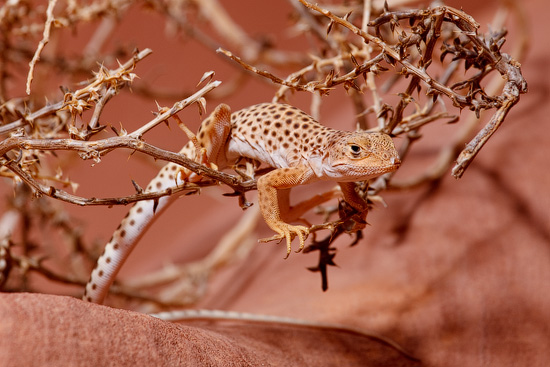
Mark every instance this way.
x=138 y=188
x=329 y=28
x=208 y=75
x=354 y=60
x=347 y=15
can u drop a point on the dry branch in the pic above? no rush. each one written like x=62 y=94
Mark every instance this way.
x=42 y=44
x=419 y=66
x=95 y=149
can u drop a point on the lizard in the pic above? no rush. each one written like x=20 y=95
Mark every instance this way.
x=280 y=136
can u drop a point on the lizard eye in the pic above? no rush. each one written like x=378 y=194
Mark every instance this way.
x=355 y=149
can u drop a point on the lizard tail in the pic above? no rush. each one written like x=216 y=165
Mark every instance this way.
x=207 y=147
x=140 y=217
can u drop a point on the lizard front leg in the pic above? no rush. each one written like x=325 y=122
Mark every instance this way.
x=268 y=191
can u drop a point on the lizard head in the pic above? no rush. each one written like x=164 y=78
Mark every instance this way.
x=359 y=156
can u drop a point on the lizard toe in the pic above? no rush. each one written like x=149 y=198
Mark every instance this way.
x=288 y=232
x=302 y=233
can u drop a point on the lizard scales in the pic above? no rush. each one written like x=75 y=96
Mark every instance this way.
x=278 y=135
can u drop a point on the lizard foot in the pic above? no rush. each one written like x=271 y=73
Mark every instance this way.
x=288 y=232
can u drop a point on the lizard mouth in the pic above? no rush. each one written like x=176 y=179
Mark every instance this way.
x=368 y=173
x=396 y=162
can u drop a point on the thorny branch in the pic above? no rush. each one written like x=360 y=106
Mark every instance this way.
x=411 y=50
x=420 y=67
x=426 y=29
x=80 y=99
x=93 y=150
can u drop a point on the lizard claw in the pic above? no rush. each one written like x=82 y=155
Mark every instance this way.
x=288 y=232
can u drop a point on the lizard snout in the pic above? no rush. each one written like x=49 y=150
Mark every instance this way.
x=396 y=161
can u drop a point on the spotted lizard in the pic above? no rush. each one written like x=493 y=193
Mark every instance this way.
x=281 y=136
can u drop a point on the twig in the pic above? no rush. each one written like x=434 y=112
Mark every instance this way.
x=315 y=86
x=178 y=106
x=74 y=97
x=27 y=263
x=45 y=39
x=371 y=84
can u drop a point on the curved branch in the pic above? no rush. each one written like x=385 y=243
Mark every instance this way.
x=95 y=149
